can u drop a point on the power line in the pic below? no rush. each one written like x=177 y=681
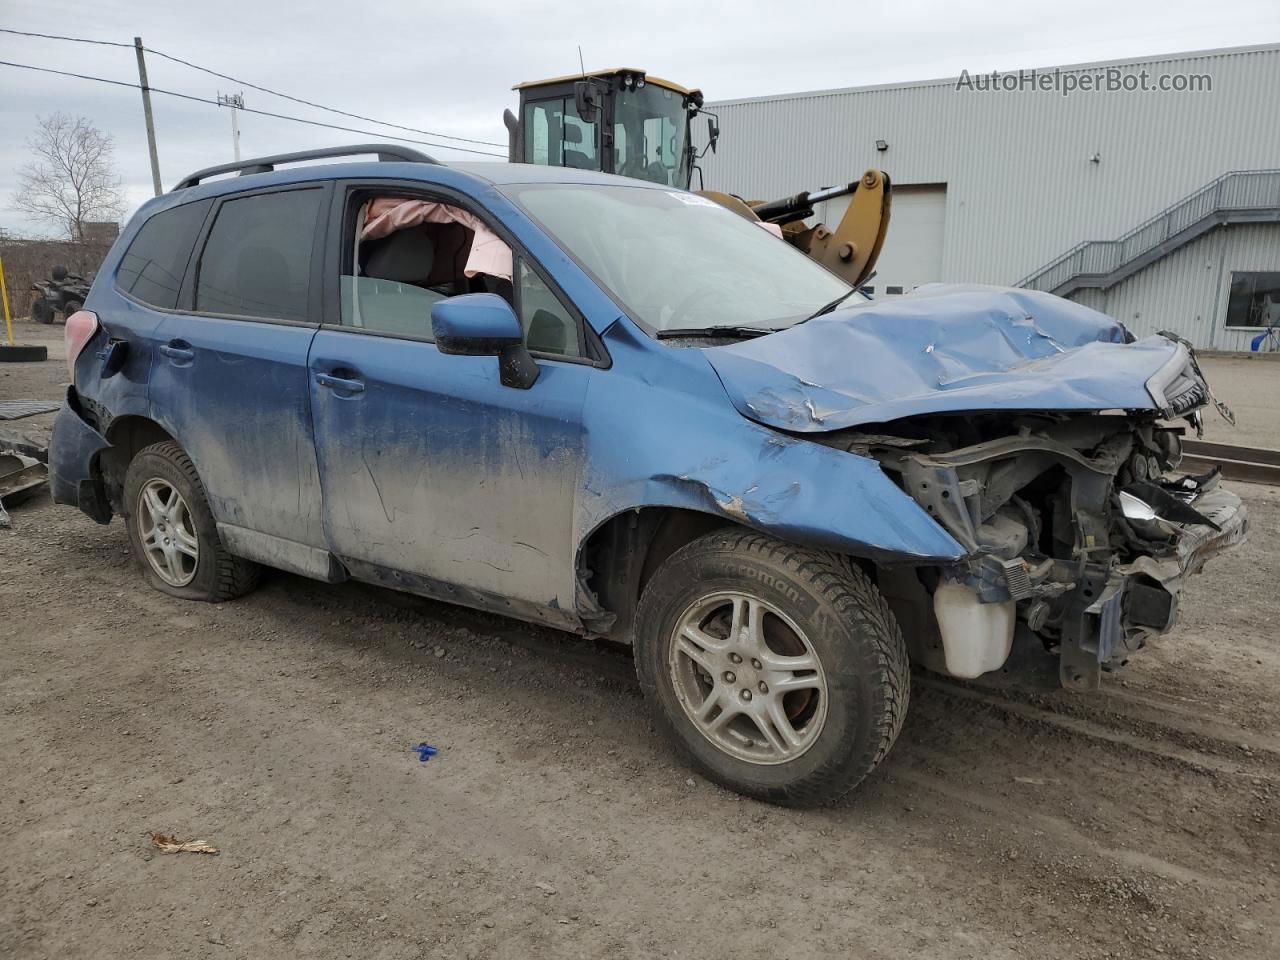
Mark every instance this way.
x=254 y=86
x=264 y=113
x=318 y=106
x=54 y=36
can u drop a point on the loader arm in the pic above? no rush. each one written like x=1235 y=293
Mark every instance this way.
x=851 y=250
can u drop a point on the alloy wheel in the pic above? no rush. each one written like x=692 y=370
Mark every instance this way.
x=167 y=533
x=748 y=678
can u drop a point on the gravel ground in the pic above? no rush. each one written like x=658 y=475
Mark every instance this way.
x=1010 y=820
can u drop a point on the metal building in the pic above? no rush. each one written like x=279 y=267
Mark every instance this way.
x=1158 y=206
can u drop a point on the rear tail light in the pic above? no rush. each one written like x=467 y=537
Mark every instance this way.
x=80 y=328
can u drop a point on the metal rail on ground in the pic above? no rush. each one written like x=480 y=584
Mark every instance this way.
x=1248 y=464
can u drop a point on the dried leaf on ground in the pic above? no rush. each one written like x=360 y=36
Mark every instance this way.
x=167 y=843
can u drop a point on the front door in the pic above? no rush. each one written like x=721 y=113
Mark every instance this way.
x=432 y=468
x=436 y=477
x=230 y=378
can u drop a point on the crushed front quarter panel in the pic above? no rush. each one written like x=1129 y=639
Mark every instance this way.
x=681 y=445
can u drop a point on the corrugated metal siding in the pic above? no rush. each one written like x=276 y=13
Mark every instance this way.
x=1187 y=290
x=1021 y=189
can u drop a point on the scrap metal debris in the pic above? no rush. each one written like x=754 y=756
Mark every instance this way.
x=20 y=477
x=16 y=409
x=167 y=843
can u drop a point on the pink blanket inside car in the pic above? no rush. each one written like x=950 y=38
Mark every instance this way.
x=489 y=254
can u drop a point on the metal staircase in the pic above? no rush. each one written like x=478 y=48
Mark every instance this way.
x=1244 y=196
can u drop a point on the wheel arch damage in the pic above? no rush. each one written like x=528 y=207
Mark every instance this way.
x=690 y=462
x=90 y=450
x=796 y=490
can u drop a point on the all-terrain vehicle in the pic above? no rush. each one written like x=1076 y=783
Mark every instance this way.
x=63 y=293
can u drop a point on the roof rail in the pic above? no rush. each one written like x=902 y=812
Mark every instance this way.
x=387 y=153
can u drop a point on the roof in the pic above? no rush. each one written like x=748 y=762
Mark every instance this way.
x=611 y=72
x=477 y=173
x=1045 y=68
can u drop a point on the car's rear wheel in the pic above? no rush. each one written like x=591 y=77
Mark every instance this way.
x=172 y=531
x=778 y=671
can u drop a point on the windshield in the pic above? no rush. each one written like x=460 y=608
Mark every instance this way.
x=649 y=126
x=680 y=261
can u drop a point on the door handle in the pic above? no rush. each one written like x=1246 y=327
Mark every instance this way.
x=340 y=383
x=177 y=351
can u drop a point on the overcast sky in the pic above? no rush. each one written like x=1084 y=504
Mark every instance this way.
x=449 y=66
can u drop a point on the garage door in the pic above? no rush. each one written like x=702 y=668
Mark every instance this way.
x=912 y=252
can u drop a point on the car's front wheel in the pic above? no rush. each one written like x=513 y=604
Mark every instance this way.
x=777 y=670
x=172 y=531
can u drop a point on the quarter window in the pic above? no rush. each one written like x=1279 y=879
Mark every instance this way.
x=151 y=269
x=257 y=261
x=548 y=326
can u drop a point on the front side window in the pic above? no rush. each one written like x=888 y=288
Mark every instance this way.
x=410 y=253
x=676 y=260
x=257 y=260
x=554 y=135
x=1254 y=300
x=152 y=268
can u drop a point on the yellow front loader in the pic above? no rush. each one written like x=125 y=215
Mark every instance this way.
x=625 y=122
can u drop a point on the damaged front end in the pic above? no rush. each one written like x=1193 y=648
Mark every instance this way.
x=1077 y=527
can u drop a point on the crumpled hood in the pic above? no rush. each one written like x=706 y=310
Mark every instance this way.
x=943 y=348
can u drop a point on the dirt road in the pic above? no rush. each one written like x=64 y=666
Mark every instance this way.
x=1016 y=822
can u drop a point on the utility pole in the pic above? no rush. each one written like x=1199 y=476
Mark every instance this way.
x=236 y=102
x=146 y=113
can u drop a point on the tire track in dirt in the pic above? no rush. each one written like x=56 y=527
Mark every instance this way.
x=283 y=726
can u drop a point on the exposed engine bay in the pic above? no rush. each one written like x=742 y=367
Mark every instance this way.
x=1078 y=528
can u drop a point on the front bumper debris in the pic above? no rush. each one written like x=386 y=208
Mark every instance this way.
x=1113 y=613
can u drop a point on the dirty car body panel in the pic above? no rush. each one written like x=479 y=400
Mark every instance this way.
x=969 y=445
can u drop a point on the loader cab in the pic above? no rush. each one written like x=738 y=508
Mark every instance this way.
x=615 y=121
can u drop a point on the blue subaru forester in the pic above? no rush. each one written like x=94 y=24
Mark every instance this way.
x=620 y=409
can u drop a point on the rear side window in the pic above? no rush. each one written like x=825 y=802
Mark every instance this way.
x=257 y=260
x=151 y=269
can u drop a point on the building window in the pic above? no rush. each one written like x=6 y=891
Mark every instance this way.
x=1254 y=299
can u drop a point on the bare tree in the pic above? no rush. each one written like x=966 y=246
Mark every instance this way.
x=73 y=179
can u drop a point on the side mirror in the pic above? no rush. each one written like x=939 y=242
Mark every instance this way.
x=713 y=133
x=484 y=325
x=587 y=98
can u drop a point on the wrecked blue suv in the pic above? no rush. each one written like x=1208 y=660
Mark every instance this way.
x=621 y=410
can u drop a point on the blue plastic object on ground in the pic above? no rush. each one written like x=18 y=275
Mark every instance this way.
x=425 y=751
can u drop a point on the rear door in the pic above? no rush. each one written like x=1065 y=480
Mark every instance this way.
x=147 y=284
x=231 y=376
